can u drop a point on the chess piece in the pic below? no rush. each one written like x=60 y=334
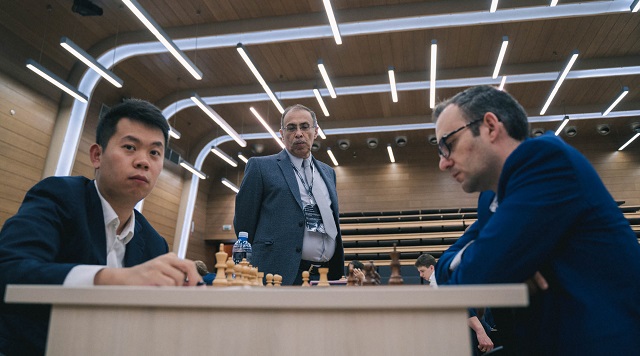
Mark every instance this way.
x=246 y=274
x=269 y=278
x=260 y=279
x=277 y=280
x=238 y=281
x=371 y=277
x=324 y=281
x=229 y=271
x=305 y=279
x=396 y=277
x=254 y=277
x=221 y=258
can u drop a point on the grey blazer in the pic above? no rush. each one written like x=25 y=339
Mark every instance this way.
x=269 y=209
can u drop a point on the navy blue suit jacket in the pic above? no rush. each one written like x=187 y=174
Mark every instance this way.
x=556 y=216
x=59 y=226
x=269 y=209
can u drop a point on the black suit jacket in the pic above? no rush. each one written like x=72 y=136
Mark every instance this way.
x=60 y=225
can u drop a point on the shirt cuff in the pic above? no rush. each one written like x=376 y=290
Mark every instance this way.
x=458 y=257
x=82 y=275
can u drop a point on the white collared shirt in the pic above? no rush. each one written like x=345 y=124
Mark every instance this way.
x=316 y=246
x=83 y=275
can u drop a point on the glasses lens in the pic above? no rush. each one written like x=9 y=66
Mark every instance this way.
x=443 y=149
x=294 y=128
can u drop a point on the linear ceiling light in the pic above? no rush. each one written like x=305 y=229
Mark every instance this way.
x=628 y=142
x=392 y=83
x=553 y=3
x=332 y=21
x=390 y=151
x=623 y=93
x=635 y=6
x=432 y=82
x=188 y=166
x=325 y=76
x=321 y=133
x=266 y=126
x=559 y=80
x=174 y=133
x=494 y=6
x=333 y=158
x=503 y=50
x=87 y=59
x=230 y=185
x=243 y=158
x=162 y=36
x=316 y=92
x=245 y=56
x=218 y=119
x=224 y=156
x=503 y=82
x=564 y=123
x=55 y=80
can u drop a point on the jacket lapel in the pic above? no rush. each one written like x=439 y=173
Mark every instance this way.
x=287 y=171
x=134 y=253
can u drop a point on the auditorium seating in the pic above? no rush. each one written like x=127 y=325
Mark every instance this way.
x=371 y=235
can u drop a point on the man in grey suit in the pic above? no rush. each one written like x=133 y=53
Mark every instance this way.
x=288 y=205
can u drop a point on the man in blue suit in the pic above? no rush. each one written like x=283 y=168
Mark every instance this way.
x=552 y=217
x=288 y=205
x=79 y=232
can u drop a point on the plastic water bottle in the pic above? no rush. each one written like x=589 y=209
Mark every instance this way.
x=242 y=248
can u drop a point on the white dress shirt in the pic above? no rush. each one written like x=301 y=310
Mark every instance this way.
x=317 y=247
x=83 y=275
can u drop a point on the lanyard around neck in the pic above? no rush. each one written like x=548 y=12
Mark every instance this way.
x=307 y=187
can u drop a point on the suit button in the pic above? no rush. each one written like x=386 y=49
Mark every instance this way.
x=300 y=224
x=298 y=249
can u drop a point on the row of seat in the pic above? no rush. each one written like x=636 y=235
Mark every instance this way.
x=373 y=238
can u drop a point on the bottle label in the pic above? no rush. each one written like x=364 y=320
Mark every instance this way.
x=239 y=255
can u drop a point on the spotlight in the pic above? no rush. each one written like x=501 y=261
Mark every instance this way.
x=372 y=142
x=537 y=132
x=86 y=8
x=315 y=147
x=603 y=129
x=257 y=148
x=571 y=131
x=433 y=139
x=344 y=144
x=401 y=141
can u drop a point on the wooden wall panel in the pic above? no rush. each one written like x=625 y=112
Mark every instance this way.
x=24 y=140
x=162 y=205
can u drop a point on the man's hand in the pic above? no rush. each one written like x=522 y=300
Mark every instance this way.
x=357 y=272
x=484 y=341
x=165 y=270
x=537 y=283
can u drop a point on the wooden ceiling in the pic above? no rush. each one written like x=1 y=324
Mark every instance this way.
x=540 y=41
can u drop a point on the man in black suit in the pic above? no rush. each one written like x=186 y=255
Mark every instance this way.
x=79 y=232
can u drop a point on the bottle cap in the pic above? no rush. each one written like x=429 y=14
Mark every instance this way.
x=243 y=235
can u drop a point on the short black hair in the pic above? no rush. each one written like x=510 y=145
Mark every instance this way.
x=357 y=264
x=476 y=101
x=425 y=260
x=135 y=110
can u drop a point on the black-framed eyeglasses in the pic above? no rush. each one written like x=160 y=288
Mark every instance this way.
x=444 y=148
x=304 y=127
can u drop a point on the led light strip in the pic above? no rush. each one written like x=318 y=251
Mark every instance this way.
x=157 y=31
